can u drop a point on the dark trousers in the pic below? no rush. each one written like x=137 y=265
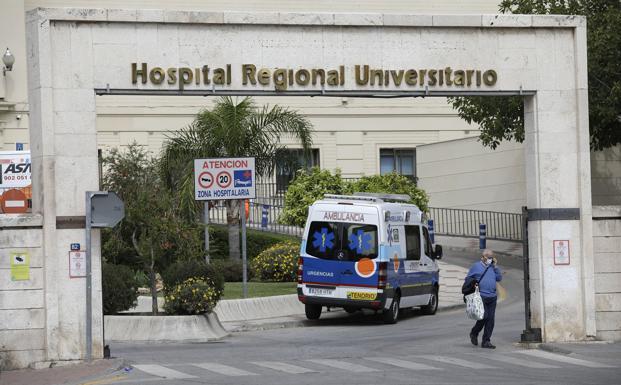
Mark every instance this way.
x=489 y=303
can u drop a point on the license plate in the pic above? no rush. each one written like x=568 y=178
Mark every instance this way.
x=320 y=291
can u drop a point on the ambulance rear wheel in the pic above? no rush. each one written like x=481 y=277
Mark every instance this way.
x=391 y=314
x=350 y=309
x=312 y=311
x=432 y=306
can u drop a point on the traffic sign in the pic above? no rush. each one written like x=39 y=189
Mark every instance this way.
x=107 y=209
x=205 y=179
x=234 y=178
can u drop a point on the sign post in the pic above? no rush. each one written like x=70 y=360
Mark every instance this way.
x=226 y=178
x=103 y=209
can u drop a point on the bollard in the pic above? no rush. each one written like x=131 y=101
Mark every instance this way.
x=482 y=236
x=431 y=232
x=264 y=216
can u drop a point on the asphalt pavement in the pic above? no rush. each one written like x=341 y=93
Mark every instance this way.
x=359 y=349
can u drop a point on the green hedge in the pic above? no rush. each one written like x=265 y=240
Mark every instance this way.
x=232 y=271
x=256 y=241
x=278 y=263
x=180 y=271
x=192 y=296
x=309 y=186
x=119 y=288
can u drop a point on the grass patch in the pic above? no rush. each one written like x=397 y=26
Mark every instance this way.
x=233 y=290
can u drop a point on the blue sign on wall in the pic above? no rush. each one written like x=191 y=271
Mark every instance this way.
x=19 y=146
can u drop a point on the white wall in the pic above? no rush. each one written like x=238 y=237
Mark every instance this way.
x=22 y=310
x=607 y=248
x=464 y=174
x=606 y=176
x=349 y=132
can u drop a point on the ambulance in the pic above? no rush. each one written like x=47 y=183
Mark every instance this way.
x=367 y=251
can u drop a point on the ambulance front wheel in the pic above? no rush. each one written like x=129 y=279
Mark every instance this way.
x=312 y=311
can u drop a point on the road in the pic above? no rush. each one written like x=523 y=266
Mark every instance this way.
x=359 y=349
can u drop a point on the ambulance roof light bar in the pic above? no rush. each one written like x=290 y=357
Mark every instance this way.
x=385 y=197
x=351 y=197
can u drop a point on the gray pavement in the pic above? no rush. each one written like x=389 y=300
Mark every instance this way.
x=359 y=349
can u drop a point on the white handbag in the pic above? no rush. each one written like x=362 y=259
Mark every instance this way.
x=474 y=306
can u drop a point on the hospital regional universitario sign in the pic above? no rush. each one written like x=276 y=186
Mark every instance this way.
x=283 y=78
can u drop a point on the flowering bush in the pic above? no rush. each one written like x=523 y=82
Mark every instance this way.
x=277 y=263
x=192 y=296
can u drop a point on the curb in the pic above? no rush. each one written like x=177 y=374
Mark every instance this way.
x=286 y=324
x=163 y=329
x=553 y=349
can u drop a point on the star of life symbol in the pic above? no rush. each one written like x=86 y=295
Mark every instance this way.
x=389 y=237
x=323 y=240
x=360 y=241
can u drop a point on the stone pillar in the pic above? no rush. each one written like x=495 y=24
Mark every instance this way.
x=558 y=176
x=64 y=166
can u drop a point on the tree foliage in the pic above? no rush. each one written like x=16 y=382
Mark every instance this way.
x=307 y=187
x=392 y=183
x=501 y=118
x=153 y=233
x=232 y=128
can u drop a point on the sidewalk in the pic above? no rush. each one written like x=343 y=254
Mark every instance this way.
x=75 y=373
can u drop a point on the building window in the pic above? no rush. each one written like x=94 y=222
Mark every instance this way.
x=403 y=161
x=289 y=161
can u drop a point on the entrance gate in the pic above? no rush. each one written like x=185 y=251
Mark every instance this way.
x=76 y=53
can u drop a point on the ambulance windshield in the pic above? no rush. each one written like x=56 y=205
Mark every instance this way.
x=342 y=241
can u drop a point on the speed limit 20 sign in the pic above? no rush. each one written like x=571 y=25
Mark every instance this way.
x=224 y=178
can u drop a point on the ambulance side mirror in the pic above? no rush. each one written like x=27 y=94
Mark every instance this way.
x=437 y=252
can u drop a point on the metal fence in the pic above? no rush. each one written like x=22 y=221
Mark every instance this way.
x=261 y=216
x=465 y=223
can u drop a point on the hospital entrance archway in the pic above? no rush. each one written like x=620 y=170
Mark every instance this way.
x=76 y=53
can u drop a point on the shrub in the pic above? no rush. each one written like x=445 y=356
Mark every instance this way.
x=181 y=271
x=306 y=188
x=392 y=183
x=232 y=271
x=119 y=288
x=256 y=242
x=277 y=263
x=192 y=296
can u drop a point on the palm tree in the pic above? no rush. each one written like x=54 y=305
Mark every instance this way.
x=231 y=129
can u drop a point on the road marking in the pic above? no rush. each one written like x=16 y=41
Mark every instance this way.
x=565 y=359
x=344 y=365
x=283 y=367
x=103 y=381
x=224 y=369
x=517 y=361
x=401 y=363
x=160 y=371
x=458 y=362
